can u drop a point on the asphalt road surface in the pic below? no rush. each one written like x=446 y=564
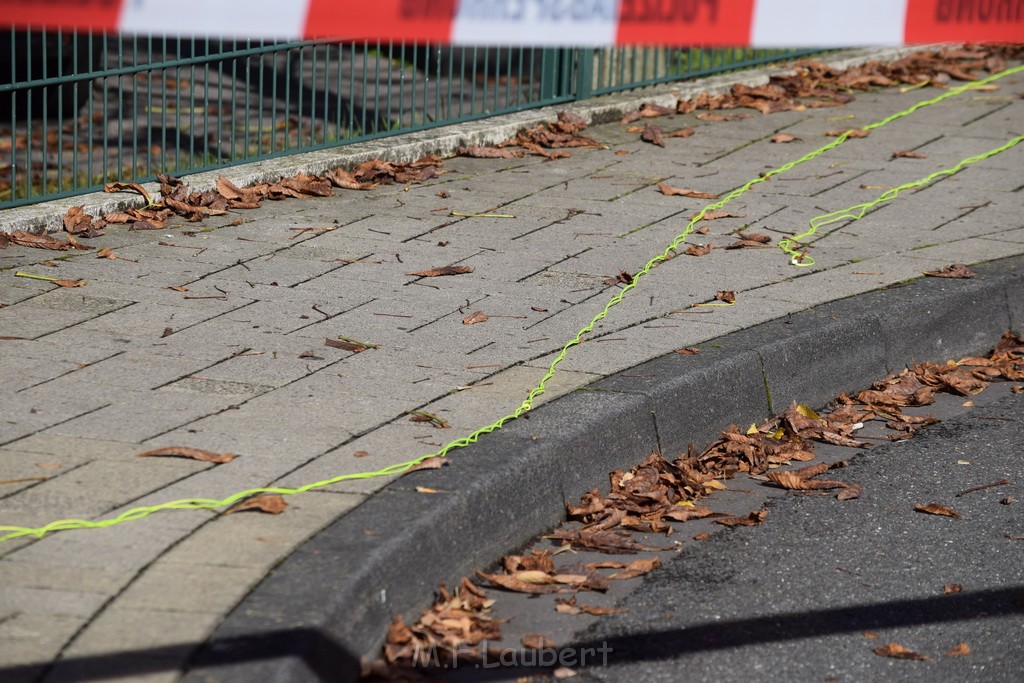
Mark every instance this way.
x=809 y=594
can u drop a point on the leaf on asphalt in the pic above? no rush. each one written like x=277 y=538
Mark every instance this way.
x=536 y=641
x=851 y=492
x=637 y=568
x=794 y=482
x=426 y=489
x=563 y=672
x=683 y=192
x=24 y=239
x=897 y=651
x=702 y=536
x=952 y=588
x=603 y=541
x=957 y=270
x=354 y=347
x=936 y=509
x=689 y=351
x=753 y=519
x=653 y=135
x=192 y=453
x=698 y=249
x=783 y=138
x=533 y=582
x=270 y=503
x=480 y=152
x=960 y=650
x=572 y=606
x=726 y=295
x=442 y=271
x=474 y=318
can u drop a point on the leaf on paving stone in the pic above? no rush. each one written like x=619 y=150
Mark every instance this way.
x=354 y=347
x=653 y=135
x=698 y=249
x=270 y=503
x=227 y=189
x=960 y=650
x=952 y=588
x=106 y=252
x=480 y=152
x=441 y=271
x=474 y=318
x=690 y=351
x=538 y=309
x=753 y=519
x=853 y=133
x=758 y=237
x=637 y=568
x=119 y=217
x=178 y=288
x=783 y=138
x=4 y=241
x=434 y=463
x=897 y=651
x=715 y=118
x=360 y=454
x=24 y=239
x=714 y=215
x=727 y=296
x=603 y=541
x=936 y=509
x=69 y=283
x=434 y=420
x=905 y=154
x=128 y=187
x=536 y=641
x=192 y=453
x=957 y=270
x=49 y=465
x=851 y=492
x=681 y=133
x=683 y=192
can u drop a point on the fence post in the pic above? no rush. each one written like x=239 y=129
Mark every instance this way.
x=584 y=73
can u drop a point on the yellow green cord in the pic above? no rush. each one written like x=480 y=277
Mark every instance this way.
x=527 y=404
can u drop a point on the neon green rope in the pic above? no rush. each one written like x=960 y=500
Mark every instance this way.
x=527 y=404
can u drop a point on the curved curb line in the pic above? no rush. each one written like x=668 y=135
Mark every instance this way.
x=333 y=598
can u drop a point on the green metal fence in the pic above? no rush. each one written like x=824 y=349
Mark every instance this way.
x=81 y=109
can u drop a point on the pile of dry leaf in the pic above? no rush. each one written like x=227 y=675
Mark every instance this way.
x=658 y=491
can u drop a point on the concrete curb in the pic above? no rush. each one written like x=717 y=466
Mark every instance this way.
x=440 y=141
x=333 y=599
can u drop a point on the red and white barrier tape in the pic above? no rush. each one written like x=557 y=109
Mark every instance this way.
x=754 y=23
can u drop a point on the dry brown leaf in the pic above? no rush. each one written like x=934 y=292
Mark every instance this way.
x=851 y=492
x=192 y=453
x=681 y=133
x=897 y=651
x=683 y=192
x=753 y=519
x=513 y=583
x=714 y=215
x=563 y=672
x=441 y=271
x=128 y=187
x=433 y=463
x=957 y=270
x=952 y=588
x=690 y=351
x=936 y=509
x=69 y=283
x=852 y=133
x=960 y=650
x=726 y=295
x=783 y=138
x=536 y=641
x=794 y=482
x=653 y=135
x=24 y=239
x=637 y=568
x=905 y=154
x=698 y=249
x=474 y=318
x=106 y=252
x=354 y=347
x=603 y=541
x=360 y=454
x=702 y=536
x=270 y=503
x=426 y=489
x=78 y=222
x=481 y=152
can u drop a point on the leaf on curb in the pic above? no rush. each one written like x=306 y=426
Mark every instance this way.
x=481 y=152
x=936 y=509
x=637 y=568
x=690 y=351
x=442 y=271
x=128 y=187
x=270 y=503
x=957 y=270
x=897 y=651
x=603 y=541
x=192 y=453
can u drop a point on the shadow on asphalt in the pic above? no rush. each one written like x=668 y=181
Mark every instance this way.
x=326 y=659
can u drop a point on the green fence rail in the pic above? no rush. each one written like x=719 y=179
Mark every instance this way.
x=78 y=109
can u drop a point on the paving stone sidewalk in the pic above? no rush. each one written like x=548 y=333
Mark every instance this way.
x=94 y=375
